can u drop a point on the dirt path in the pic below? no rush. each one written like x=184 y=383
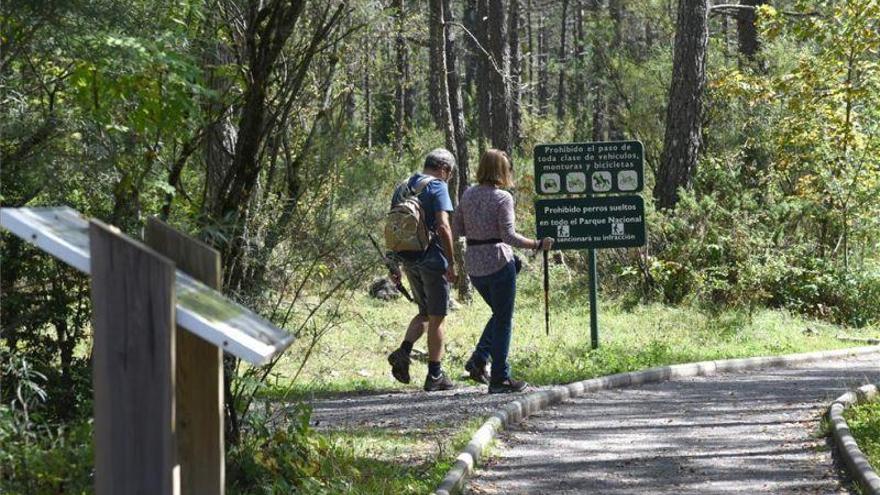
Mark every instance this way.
x=744 y=433
x=408 y=411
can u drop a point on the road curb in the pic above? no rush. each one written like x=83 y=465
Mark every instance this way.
x=847 y=338
x=519 y=409
x=855 y=461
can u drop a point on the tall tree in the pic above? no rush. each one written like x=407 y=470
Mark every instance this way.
x=438 y=63
x=579 y=95
x=619 y=47
x=499 y=76
x=456 y=104
x=368 y=98
x=747 y=33
x=437 y=89
x=220 y=133
x=515 y=73
x=485 y=68
x=531 y=54
x=267 y=28
x=543 y=65
x=683 y=138
x=472 y=56
x=600 y=102
x=402 y=91
x=456 y=111
x=563 y=58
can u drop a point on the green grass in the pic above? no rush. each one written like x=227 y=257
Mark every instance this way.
x=359 y=461
x=389 y=463
x=352 y=358
x=864 y=423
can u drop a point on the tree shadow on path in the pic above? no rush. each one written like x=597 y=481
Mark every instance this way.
x=744 y=433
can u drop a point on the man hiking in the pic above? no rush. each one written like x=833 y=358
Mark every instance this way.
x=430 y=271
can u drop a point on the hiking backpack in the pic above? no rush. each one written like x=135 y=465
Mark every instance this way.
x=405 y=226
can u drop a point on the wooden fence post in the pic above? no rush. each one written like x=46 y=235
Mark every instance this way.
x=200 y=447
x=133 y=366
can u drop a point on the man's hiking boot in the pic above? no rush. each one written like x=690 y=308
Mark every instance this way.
x=436 y=383
x=476 y=372
x=399 y=361
x=507 y=386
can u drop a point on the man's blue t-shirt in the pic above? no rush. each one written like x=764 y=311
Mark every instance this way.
x=434 y=197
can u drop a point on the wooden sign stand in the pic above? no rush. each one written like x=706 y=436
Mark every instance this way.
x=199 y=396
x=133 y=366
x=159 y=338
x=158 y=389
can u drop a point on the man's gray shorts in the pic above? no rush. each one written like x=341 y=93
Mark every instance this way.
x=429 y=288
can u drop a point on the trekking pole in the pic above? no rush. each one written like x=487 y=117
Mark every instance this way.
x=393 y=269
x=546 y=294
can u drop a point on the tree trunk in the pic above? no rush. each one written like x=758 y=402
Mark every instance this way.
x=456 y=112
x=543 y=67
x=220 y=134
x=681 y=144
x=438 y=60
x=368 y=102
x=401 y=89
x=563 y=58
x=578 y=98
x=747 y=33
x=600 y=102
x=268 y=28
x=600 y=111
x=350 y=105
x=531 y=45
x=617 y=10
x=436 y=90
x=456 y=104
x=484 y=89
x=498 y=77
x=650 y=38
x=472 y=56
x=515 y=74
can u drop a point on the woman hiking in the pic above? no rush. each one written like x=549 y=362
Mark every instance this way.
x=485 y=218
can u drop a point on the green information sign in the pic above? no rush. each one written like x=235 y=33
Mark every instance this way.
x=590 y=168
x=592 y=223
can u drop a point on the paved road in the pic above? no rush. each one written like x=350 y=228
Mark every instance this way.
x=744 y=433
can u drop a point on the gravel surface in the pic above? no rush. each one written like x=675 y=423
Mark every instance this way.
x=744 y=433
x=408 y=411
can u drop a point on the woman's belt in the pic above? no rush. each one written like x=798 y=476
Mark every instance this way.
x=479 y=242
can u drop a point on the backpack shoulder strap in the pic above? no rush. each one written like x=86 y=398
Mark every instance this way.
x=422 y=184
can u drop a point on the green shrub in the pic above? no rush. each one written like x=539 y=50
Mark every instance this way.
x=288 y=458
x=818 y=288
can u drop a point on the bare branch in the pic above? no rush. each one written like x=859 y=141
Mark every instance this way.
x=734 y=10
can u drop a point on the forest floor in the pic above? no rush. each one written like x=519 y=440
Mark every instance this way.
x=397 y=432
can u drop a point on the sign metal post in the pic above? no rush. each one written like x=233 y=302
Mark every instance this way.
x=594 y=309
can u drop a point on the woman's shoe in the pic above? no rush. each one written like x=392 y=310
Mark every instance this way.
x=507 y=386
x=476 y=372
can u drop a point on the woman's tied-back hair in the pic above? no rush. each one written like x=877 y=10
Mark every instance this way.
x=495 y=169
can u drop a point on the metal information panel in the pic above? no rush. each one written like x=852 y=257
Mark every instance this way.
x=590 y=168
x=592 y=223
x=64 y=233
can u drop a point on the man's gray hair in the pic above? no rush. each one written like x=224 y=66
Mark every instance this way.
x=440 y=158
